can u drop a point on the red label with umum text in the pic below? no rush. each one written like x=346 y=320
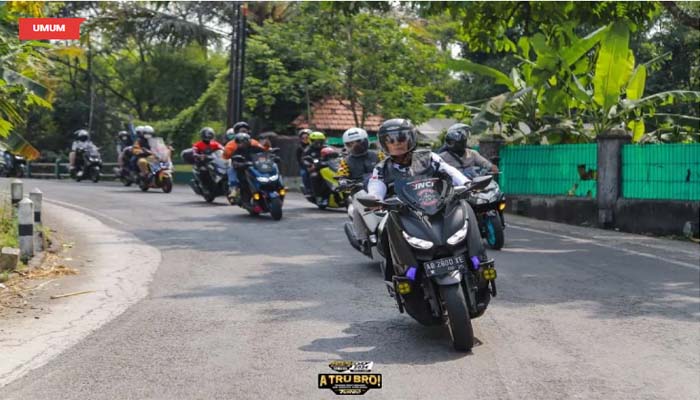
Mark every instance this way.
x=49 y=28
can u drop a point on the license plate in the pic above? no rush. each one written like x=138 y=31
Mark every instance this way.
x=443 y=265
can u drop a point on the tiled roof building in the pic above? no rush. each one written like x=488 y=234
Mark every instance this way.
x=333 y=116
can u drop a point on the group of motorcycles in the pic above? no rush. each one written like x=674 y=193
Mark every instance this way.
x=420 y=236
x=262 y=190
x=11 y=164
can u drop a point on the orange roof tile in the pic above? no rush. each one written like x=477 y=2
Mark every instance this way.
x=332 y=114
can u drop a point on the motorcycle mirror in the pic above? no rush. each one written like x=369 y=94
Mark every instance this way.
x=460 y=190
x=274 y=150
x=393 y=202
x=480 y=182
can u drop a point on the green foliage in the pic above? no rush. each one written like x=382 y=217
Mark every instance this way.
x=8 y=225
x=562 y=90
x=19 y=63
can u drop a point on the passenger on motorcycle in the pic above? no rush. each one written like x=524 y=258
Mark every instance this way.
x=456 y=153
x=303 y=145
x=124 y=140
x=81 y=142
x=397 y=138
x=244 y=146
x=358 y=165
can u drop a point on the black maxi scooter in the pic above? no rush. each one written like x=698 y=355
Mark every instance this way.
x=435 y=276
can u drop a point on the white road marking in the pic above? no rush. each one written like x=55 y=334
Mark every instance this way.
x=87 y=210
x=607 y=246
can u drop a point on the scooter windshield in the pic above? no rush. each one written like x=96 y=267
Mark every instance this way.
x=159 y=148
x=422 y=193
x=263 y=163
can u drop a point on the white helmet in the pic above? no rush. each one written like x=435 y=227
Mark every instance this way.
x=354 y=134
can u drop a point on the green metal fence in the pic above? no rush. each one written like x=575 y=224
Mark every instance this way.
x=565 y=170
x=661 y=171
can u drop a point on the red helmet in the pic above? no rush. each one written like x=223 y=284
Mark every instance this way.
x=328 y=152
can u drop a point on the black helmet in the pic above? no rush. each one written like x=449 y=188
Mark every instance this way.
x=397 y=129
x=82 y=135
x=239 y=125
x=206 y=134
x=456 y=138
x=242 y=137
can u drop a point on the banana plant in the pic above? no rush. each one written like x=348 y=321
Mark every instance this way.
x=573 y=89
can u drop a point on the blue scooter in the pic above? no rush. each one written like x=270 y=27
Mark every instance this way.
x=264 y=191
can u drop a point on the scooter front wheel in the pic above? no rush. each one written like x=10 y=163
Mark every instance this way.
x=167 y=185
x=276 y=208
x=494 y=232
x=458 y=321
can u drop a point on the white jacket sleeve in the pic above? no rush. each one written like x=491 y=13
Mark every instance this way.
x=458 y=179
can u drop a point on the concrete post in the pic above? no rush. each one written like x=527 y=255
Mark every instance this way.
x=609 y=182
x=490 y=148
x=16 y=189
x=26 y=229
x=36 y=197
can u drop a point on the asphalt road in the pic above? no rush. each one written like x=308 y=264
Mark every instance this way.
x=249 y=308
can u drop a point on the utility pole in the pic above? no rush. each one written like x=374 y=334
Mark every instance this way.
x=236 y=63
x=233 y=63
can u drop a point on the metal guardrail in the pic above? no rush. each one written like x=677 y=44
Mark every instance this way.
x=59 y=170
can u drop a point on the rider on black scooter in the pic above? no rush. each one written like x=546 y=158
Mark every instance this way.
x=456 y=153
x=397 y=138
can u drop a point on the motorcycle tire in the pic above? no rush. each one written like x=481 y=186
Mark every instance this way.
x=95 y=175
x=126 y=182
x=209 y=198
x=276 y=208
x=458 y=321
x=143 y=185
x=494 y=232
x=167 y=185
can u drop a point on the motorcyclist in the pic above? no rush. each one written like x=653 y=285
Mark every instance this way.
x=456 y=153
x=358 y=164
x=317 y=143
x=228 y=136
x=81 y=142
x=360 y=161
x=244 y=146
x=141 y=151
x=397 y=138
x=303 y=144
x=207 y=143
x=124 y=140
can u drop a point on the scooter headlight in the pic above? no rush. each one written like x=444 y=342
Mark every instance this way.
x=417 y=243
x=265 y=179
x=459 y=235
